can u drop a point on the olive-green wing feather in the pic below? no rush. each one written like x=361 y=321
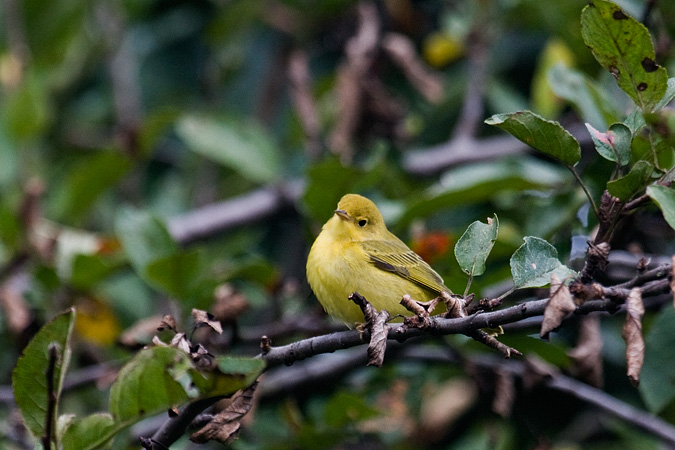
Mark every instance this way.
x=394 y=256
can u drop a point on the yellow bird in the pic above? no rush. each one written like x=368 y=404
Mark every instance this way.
x=356 y=252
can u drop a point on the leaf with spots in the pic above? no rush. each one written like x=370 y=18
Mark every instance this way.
x=623 y=46
x=533 y=264
x=547 y=136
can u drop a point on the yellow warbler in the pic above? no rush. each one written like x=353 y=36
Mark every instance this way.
x=356 y=252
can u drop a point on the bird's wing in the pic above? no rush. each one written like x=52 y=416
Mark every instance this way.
x=394 y=256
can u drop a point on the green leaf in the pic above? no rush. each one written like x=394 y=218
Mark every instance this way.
x=149 y=383
x=613 y=145
x=473 y=248
x=242 y=146
x=626 y=187
x=28 y=379
x=177 y=274
x=594 y=105
x=623 y=46
x=85 y=182
x=544 y=135
x=144 y=238
x=657 y=379
x=665 y=199
x=90 y=433
x=233 y=373
x=533 y=263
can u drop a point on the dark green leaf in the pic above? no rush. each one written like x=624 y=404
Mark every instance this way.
x=544 y=135
x=623 y=46
x=243 y=146
x=665 y=198
x=657 y=379
x=473 y=248
x=28 y=379
x=634 y=182
x=233 y=373
x=613 y=145
x=534 y=262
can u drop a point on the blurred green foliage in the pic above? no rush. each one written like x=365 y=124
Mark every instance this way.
x=116 y=118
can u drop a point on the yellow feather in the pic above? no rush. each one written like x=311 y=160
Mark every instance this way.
x=356 y=252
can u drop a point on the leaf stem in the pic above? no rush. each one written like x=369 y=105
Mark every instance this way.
x=586 y=191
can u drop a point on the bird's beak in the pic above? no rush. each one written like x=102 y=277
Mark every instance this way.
x=342 y=214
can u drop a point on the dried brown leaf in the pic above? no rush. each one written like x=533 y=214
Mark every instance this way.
x=587 y=355
x=632 y=334
x=225 y=426
x=203 y=318
x=168 y=323
x=180 y=342
x=558 y=307
x=379 y=330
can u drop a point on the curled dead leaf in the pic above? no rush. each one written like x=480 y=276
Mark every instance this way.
x=632 y=334
x=225 y=426
x=587 y=355
x=559 y=305
x=379 y=330
x=203 y=318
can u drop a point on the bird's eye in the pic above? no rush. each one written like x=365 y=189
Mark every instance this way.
x=363 y=222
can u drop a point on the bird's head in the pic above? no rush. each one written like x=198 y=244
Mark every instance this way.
x=357 y=218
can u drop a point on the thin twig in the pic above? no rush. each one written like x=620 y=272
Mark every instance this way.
x=586 y=191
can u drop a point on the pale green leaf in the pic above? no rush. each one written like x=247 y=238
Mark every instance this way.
x=534 y=262
x=243 y=146
x=474 y=246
